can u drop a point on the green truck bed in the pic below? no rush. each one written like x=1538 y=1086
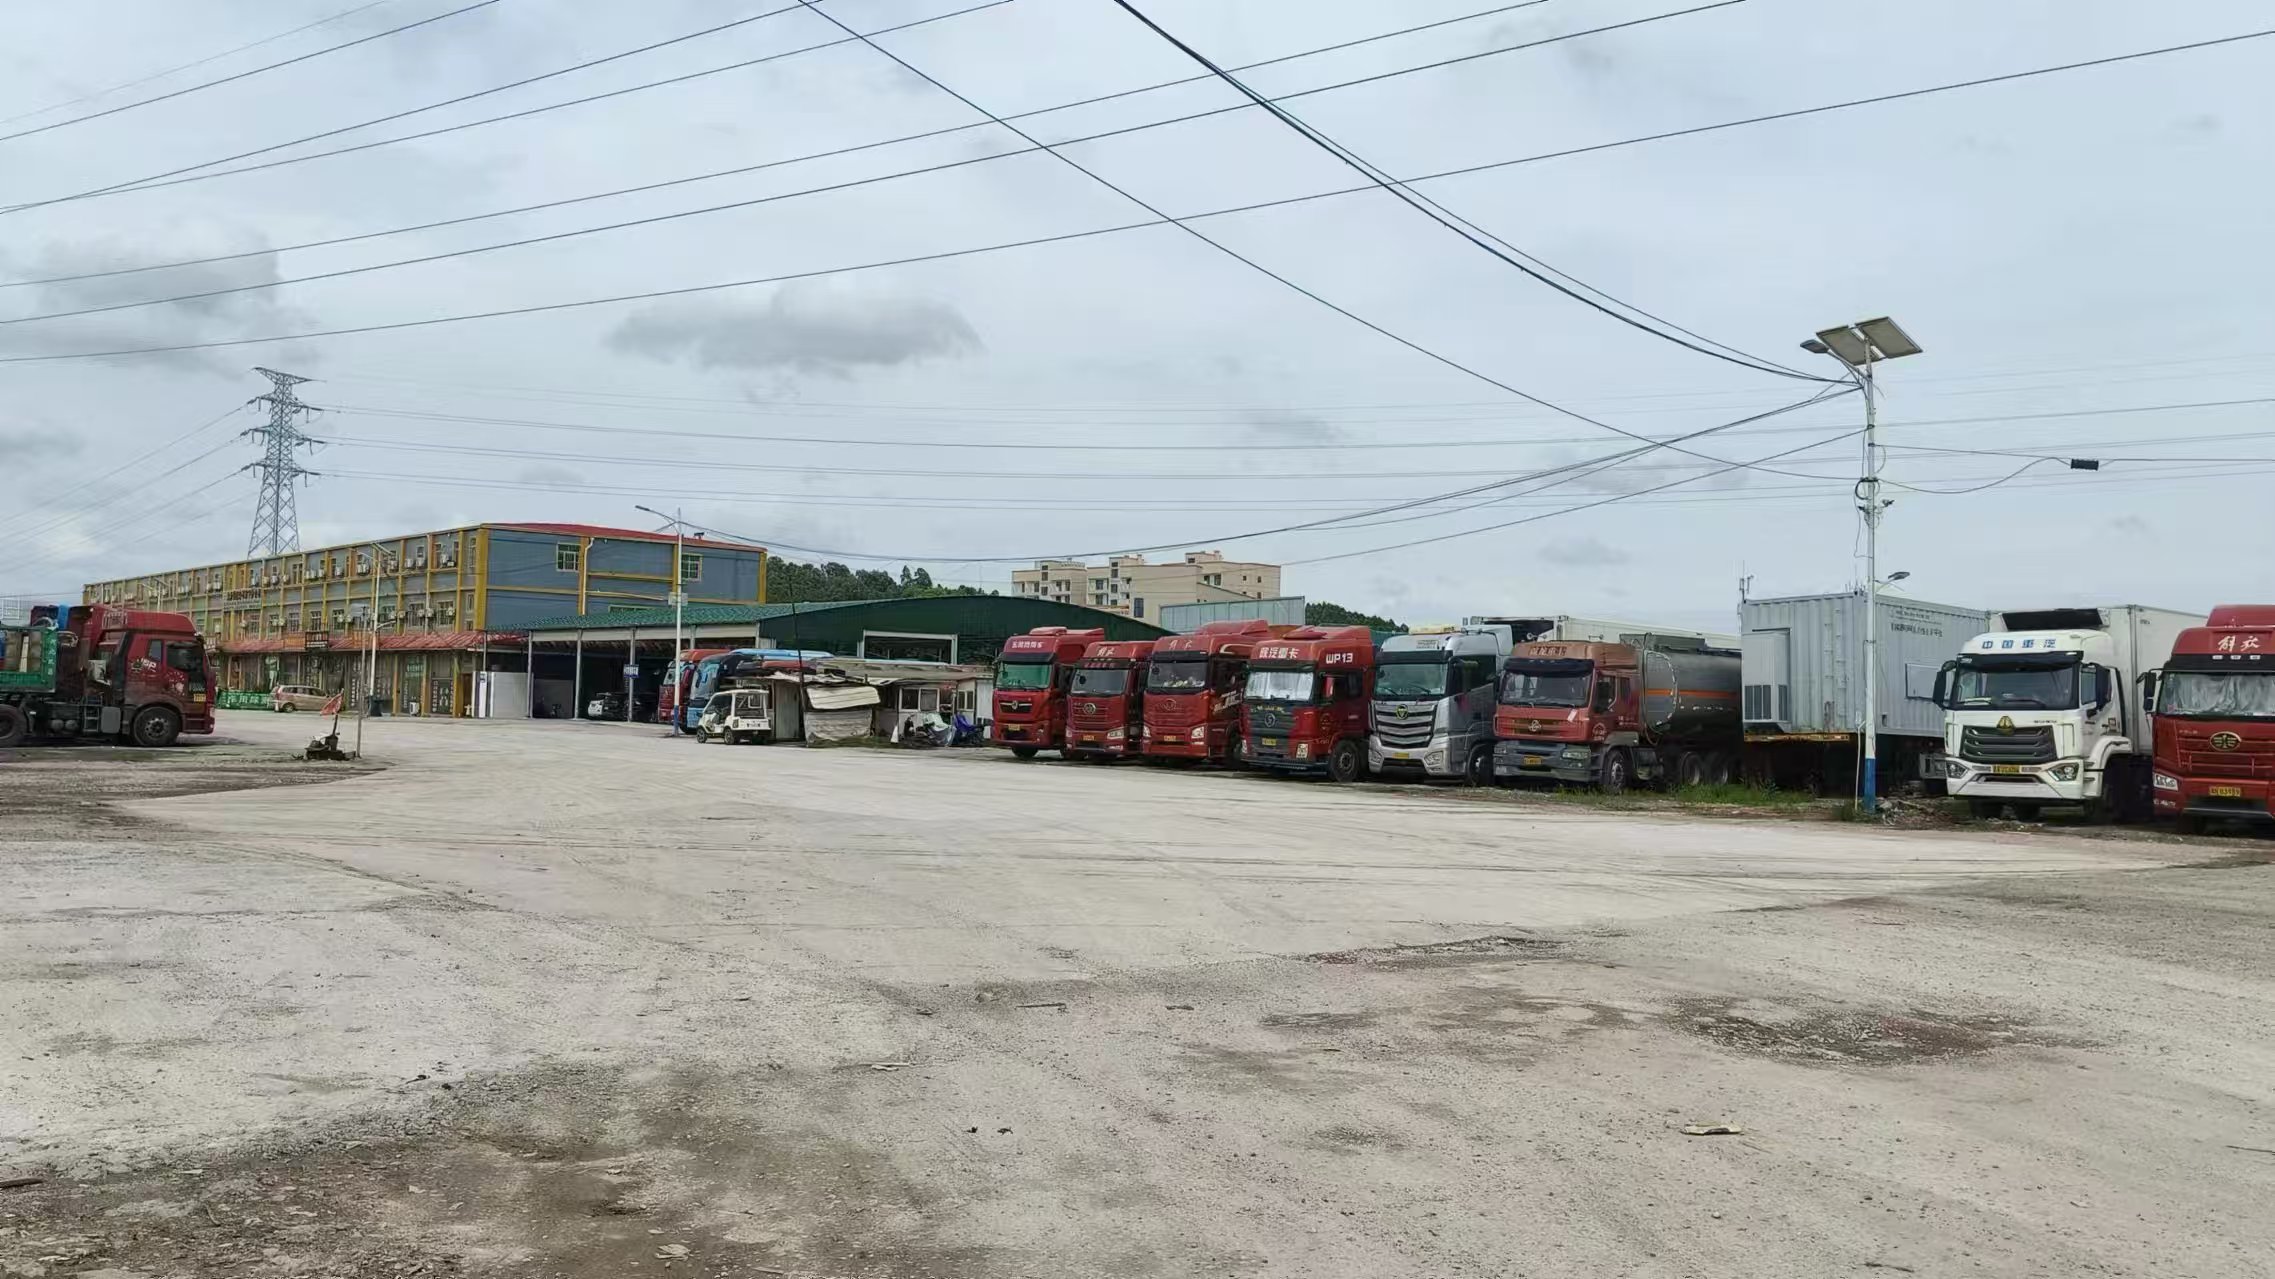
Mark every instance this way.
x=27 y=660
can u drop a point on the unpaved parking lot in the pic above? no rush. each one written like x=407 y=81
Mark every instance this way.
x=558 y=1000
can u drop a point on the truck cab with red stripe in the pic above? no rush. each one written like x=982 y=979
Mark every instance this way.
x=2213 y=707
x=1193 y=690
x=1304 y=707
x=1033 y=675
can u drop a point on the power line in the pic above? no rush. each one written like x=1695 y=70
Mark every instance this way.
x=1467 y=230
x=242 y=75
x=191 y=66
x=176 y=177
x=720 y=173
x=54 y=499
x=1067 y=237
x=577 y=232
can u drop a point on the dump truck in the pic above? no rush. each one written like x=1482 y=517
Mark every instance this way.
x=97 y=671
x=1032 y=676
x=1193 y=690
x=1662 y=711
x=1105 y=708
x=1304 y=708
x=2213 y=707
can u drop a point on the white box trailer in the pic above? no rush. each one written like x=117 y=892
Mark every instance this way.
x=1593 y=630
x=1802 y=687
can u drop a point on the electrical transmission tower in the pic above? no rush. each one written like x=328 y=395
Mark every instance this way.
x=276 y=521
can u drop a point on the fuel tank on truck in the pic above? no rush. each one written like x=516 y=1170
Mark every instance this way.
x=1690 y=693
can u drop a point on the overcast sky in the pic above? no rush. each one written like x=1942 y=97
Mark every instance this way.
x=2087 y=241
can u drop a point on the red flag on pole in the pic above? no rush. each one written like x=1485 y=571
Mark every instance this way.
x=333 y=706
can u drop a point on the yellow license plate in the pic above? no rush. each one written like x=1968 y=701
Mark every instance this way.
x=2225 y=792
x=2006 y=770
x=1534 y=761
x=1399 y=754
x=1269 y=741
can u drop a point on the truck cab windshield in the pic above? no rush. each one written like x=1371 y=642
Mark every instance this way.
x=2005 y=683
x=1411 y=681
x=1102 y=681
x=2206 y=695
x=1280 y=686
x=1023 y=677
x=1547 y=683
x=1177 y=677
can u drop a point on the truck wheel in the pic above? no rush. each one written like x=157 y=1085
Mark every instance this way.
x=2194 y=824
x=1480 y=770
x=1719 y=768
x=1232 y=752
x=1616 y=774
x=1689 y=770
x=156 y=726
x=2026 y=812
x=1025 y=752
x=1346 y=763
x=14 y=728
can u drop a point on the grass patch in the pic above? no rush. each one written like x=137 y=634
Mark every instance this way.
x=1742 y=794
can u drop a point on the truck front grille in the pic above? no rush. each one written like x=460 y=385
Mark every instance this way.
x=1271 y=719
x=1405 y=732
x=2022 y=746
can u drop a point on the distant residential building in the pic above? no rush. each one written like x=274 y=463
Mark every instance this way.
x=1126 y=584
x=438 y=602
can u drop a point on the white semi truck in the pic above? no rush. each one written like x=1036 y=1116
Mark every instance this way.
x=2047 y=709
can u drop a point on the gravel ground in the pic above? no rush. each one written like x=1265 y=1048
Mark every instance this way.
x=557 y=1000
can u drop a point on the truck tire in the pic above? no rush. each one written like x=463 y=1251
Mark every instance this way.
x=2194 y=824
x=1617 y=773
x=1719 y=768
x=1346 y=763
x=1689 y=770
x=1233 y=757
x=1024 y=752
x=1480 y=769
x=156 y=726
x=14 y=728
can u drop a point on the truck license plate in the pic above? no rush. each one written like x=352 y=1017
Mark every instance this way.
x=2006 y=770
x=1268 y=741
x=1399 y=754
x=1534 y=761
x=2225 y=792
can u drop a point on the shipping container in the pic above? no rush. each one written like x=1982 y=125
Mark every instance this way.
x=1594 y=630
x=1803 y=686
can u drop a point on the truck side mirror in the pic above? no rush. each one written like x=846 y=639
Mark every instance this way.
x=1943 y=684
x=2152 y=683
x=2104 y=686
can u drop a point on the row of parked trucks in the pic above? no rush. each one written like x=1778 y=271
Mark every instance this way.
x=2126 y=711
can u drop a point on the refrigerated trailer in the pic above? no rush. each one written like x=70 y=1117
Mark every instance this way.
x=1802 y=687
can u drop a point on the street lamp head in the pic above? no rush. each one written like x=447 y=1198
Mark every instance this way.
x=1899 y=575
x=1814 y=347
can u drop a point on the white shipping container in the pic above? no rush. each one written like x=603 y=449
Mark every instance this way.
x=1597 y=630
x=1803 y=663
x=2143 y=637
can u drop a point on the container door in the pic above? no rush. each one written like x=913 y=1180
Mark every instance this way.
x=1768 y=674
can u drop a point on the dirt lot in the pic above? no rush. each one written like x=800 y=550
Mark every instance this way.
x=551 y=1000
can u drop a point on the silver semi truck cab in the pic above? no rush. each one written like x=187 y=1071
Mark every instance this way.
x=1435 y=692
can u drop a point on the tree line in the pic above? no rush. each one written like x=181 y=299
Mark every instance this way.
x=790 y=582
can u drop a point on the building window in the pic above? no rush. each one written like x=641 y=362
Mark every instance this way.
x=1137 y=607
x=690 y=566
x=915 y=697
x=567 y=556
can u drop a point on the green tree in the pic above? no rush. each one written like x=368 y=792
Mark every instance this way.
x=1322 y=613
x=791 y=582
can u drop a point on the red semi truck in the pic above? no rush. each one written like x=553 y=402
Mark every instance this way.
x=1193 y=687
x=1105 y=708
x=2213 y=708
x=1609 y=716
x=1304 y=708
x=1032 y=675
x=98 y=671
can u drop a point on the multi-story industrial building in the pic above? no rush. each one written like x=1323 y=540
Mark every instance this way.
x=436 y=603
x=1126 y=584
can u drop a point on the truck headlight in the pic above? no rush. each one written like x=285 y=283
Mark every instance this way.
x=1303 y=750
x=1116 y=734
x=1575 y=752
x=2065 y=772
x=1201 y=733
x=2163 y=782
x=1953 y=768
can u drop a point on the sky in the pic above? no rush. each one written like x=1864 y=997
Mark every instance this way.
x=2082 y=256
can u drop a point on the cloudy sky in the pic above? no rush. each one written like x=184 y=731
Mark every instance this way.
x=2083 y=256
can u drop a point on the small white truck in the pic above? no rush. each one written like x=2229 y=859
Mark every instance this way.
x=737 y=717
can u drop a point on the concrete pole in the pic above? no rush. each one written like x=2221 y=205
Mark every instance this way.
x=577 y=682
x=631 y=659
x=529 y=673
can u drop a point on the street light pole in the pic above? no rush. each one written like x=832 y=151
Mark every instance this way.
x=678 y=599
x=1858 y=347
